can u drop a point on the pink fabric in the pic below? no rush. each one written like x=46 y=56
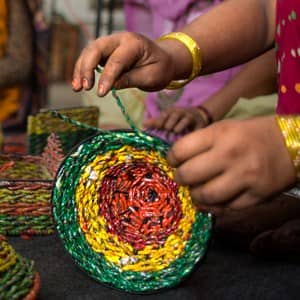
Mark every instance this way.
x=154 y=18
x=288 y=56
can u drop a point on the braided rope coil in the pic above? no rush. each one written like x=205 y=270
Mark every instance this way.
x=123 y=218
x=18 y=278
x=25 y=191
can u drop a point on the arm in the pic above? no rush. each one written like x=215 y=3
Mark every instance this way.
x=131 y=60
x=230 y=163
x=256 y=78
x=228 y=34
x=15 y=66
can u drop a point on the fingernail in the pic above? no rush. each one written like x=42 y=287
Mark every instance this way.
x=101 y=91
x=75 y=83
x=85 y=83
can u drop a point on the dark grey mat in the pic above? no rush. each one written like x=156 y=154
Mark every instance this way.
x=224 y=274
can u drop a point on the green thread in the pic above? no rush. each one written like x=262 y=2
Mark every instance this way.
x=119 y=102
x=121 y=106
x=66 y=119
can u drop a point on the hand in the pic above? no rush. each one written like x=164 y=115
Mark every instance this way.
x=177 y=120
x=233 y=163
x=129 y=60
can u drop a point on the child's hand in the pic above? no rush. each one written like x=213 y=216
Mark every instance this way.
x=177 y=120
x=233 y=163
x=129 y=60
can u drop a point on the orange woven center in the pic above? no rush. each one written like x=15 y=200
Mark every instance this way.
x=140 y=204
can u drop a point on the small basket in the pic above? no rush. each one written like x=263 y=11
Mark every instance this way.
x=123 y=218
x=18 y=278
x=25 y=191
x=41 y=125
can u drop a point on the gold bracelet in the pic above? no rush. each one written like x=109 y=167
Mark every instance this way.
x=290 y=128
x=195 y=51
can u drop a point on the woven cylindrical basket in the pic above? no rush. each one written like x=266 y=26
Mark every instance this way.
x=25 y=191
x=18 y=278
x=41 y=125
x=122 y=217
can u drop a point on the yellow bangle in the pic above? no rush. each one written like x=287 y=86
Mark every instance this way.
x=290 y=128
x=195 y=51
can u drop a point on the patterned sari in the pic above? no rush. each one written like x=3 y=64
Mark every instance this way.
x=288 y=56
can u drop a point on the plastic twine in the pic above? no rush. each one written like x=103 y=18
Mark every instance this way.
x=119 y=102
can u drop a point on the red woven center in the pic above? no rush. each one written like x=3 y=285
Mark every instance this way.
x=140 y=204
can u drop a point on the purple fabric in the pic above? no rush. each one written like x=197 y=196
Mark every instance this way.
x=154 y=18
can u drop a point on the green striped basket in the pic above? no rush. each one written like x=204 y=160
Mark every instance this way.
x=18 y=278
x=25 y=191
x=41 y=125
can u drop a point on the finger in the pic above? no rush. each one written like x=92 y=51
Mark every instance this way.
x=216 y=210
x=149 y=123
x=183 y=124
x=162 y=119
x=245 y=200
x=116 y=64
x=83 y=75
x=199 y=169
x=172 y=120
x=191 y=144
x=86 y=78
x=157 y=122
x=139 y=77
x=218 y=190
x=76 y=81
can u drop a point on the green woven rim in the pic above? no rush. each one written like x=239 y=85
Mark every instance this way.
x=66 y=216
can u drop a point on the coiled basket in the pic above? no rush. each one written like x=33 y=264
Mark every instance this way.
x=18 y=277
x=122 y=217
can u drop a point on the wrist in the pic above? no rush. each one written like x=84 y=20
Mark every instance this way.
x=205 y=115
x=180 y=57
x=186 y=51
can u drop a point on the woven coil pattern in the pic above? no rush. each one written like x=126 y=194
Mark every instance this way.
x=123 y=218
x=18 y=278
x=25 y=196
x=41 y=125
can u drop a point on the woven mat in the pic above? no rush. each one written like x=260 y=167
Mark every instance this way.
x=14 y=143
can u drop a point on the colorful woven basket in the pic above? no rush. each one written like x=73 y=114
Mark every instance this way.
x=18 y=278
x=25 y=191
x=122 y=217
x=41 y=125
